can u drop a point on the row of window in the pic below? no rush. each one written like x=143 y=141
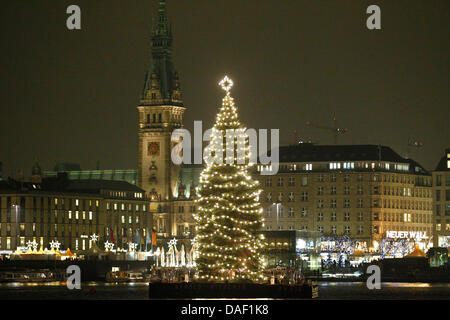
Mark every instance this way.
x=445 y=208
x=124 y=207
x=345 y=166
x=345 y=229
x=49 y=203
x=439 y=227
x=280 y=212
x=20 y=218
x=439 y=192
x=156 y=117
x=192 y=209
x=394 y=191
x=439 y=178
x=332 y=230
x=333 y=203
x=123 y=194
x=404 y=179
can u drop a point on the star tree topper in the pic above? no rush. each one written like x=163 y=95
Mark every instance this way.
x=226 y=84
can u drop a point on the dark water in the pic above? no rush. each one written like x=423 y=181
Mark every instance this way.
x=139 y=291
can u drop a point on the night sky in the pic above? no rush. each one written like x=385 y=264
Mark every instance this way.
x=72 y=95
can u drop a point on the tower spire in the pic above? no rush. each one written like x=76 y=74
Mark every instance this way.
x=162 y=26
x=161 y=68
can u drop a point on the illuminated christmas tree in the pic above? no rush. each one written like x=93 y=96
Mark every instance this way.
x=229 y=213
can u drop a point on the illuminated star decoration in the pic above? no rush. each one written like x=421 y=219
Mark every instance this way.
x=172 y=242
x=32 y=245
x=94 y=237
x=226 y=84
x=109 y=245
x=132 y=246
x=55 y=244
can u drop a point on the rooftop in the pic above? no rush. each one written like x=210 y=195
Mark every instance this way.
x=444 y=163
x=307 y=152
x=62 y=184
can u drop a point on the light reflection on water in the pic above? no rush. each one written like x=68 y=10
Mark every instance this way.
x=145 y=284
x=63 y=284
x=140 y=291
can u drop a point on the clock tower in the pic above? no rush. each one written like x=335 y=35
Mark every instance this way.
x=161 y=111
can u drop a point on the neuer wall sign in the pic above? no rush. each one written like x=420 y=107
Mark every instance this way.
x=417 y=235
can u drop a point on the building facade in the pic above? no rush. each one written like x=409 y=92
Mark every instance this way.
x=363 y=191
x=441 y=196
x=70 y=212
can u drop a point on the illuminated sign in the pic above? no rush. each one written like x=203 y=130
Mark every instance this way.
x=417 y=235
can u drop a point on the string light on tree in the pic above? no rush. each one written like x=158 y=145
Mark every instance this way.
x=229 y=212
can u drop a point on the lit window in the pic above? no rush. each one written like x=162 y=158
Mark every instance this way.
x=304 y=181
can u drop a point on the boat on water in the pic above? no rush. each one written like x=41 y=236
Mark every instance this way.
x=30 y=276
x=127 y=276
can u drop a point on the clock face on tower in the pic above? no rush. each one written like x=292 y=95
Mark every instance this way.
x=153 y=149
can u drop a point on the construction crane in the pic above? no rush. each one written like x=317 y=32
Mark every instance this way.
x=335 y=129
x=413 y=144
x=298 y=140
